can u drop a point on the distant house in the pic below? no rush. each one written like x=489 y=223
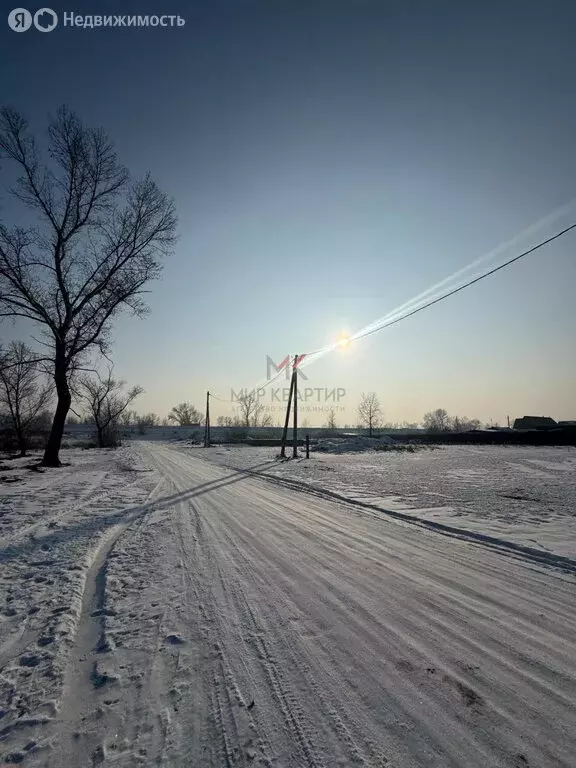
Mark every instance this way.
x=535 y=422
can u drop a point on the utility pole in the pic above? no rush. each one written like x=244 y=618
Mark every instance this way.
x=295 y=388
x=207 y=425
x=287 y=419
x=508 y=420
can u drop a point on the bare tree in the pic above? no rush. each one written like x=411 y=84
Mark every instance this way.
x=370 y=411
x=100 y=239
x=127 y=418
x=464 y=424
x=185 y=415
x=331 y=420
x=440 y=421
x=250 y=409
x=106 y=401
x=145 y=421
x=24 y=391
x=437 y=421
x=266 y=420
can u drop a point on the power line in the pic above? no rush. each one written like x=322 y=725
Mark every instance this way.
x=468 y=284
x=450 y=280
x=215 y=397
x=361 y=335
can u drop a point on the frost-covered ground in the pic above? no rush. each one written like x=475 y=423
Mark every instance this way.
x=523 y=494
x=53 y=526
x=160 y=609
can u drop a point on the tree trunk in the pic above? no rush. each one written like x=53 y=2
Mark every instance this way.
x=100 y=432
x=52 y=450
x=21 y=440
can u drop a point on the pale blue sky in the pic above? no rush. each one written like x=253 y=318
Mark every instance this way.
x=329 y=161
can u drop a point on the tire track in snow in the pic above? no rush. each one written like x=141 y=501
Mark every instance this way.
x=202 y=552
x=86 y=670
x=287 y=699
x=24 y=539
x=424 y=650
x=201 y=569
x=409 y=609
x=426 y=616
x=566 y=564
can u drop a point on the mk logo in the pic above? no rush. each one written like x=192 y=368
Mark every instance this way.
x=285 y=365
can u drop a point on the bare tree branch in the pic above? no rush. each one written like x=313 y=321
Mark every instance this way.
x=101 y=239
x=24 y=391
x=251 y=409
x=370 y=411
x=105 y=400
x=185 y=414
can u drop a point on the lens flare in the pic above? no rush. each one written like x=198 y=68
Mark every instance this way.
x=343 y=340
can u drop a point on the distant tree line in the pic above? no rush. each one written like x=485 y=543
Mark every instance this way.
x=370 y=417
x=251 y=413
x=102 y=402
x=441 y=421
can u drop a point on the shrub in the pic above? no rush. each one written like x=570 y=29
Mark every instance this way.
x=111 y=437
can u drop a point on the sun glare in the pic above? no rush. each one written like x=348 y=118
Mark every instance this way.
x=343 y=340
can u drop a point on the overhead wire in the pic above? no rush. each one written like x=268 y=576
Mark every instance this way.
x=411 y=307
x=467 y=284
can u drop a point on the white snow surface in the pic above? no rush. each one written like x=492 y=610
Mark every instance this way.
x=159 y=609
x=525 y=495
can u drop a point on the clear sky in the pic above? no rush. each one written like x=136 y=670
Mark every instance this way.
x=329 y=161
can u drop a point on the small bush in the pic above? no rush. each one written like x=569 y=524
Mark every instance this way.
x=35 y=441
x=111 y=437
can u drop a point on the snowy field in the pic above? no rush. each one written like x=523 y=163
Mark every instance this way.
x=523 y=494
x=161 y=609
x=54 y=528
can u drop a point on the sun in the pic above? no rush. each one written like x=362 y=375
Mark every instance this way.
x=343 y=340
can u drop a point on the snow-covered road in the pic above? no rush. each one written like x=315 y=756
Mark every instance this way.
x=236 y=622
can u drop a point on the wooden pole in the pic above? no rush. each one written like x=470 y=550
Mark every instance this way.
x=207 y=425
x=295 y=387
x=307 y=446
x=287 y=421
